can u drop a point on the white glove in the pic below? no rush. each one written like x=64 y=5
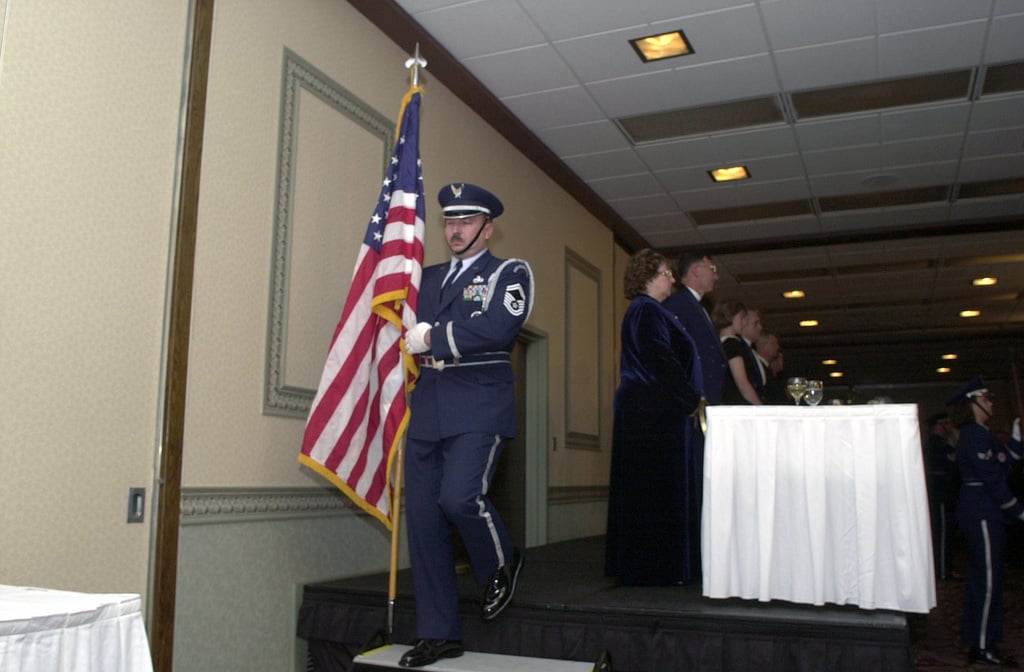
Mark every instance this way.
x=1016 y=429
x=415 y=339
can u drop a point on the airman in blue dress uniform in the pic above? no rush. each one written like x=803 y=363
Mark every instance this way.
x=462 y=409
x=986 y=508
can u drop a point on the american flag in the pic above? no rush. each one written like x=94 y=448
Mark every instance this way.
x=359 y=414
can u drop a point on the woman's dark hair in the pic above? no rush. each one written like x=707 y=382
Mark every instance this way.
x=724 y=313
x=961 y=412
x=641 y=269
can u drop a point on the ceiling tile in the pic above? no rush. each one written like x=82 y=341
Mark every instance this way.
x=666 y=155
x=756 y=230
x=520 y=71
x=676 y=238
x=572 y=18
x=866 y=157
x=828 y=65
x=468 y=29
x=613 y=188
x=663 y=223
x=638 y=94
x=734 y=79
x=781 y=260
x=924 y=150
x=992 y=168
x=912 y=14
x=606 y=164
x=608 y=56
x=766 y=191
x=995 y=143
x=802 y=23
x=922 y=122
x=717 y=36
x=1004 y=39
x=416 y=6
x=997 y=112
x=645 y=206
x=988 y=208
x=931 y=49
x=685 y=87
x=572 y=105
x=694 y=178
x=763 y=142
x=842 y=132
x=925 y=213
x=595 y=136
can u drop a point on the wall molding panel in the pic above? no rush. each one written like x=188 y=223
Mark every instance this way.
x=281 y=398
x=205 y=506
x=583 y=348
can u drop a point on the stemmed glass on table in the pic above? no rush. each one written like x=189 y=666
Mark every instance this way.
x=814 y=393
x=796 y=388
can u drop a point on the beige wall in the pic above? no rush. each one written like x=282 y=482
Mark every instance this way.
x=89 y=99
x=89 y=107
x=229 y=441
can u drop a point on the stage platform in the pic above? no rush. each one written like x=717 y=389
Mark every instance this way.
x=566 y=609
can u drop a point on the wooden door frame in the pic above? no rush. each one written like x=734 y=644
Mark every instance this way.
x=167 y=487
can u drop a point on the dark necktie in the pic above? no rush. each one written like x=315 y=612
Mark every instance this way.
x=451 y=276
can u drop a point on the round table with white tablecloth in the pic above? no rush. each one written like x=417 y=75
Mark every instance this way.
x=45 y=630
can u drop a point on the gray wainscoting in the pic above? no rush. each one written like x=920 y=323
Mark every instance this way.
x=244 y=556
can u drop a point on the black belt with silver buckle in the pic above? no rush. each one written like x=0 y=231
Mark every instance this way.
x=481 y=359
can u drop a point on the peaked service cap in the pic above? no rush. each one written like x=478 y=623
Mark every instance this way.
x=460 y=200
x=973 y=388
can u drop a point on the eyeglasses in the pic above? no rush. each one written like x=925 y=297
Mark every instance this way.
x=667 y=273
x=710 y=267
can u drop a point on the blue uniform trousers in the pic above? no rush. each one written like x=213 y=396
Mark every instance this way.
x=982 y=627
x=446 y=485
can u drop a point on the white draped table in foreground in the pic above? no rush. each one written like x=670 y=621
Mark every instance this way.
x=44 y=630
x=817 y=505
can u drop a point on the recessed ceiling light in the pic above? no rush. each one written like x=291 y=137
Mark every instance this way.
x=984 y=282
x=808 y=323
x=970 y=313
x=665 y=45
x=943 y=369
x=836 y=374
x=729 y=174
x=794 y=294
x=950 y=355
x=829 y=362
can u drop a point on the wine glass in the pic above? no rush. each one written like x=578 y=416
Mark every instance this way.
x=815 y=393
x=796 y=388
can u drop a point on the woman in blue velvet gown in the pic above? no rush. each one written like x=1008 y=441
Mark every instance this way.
x=653 y=535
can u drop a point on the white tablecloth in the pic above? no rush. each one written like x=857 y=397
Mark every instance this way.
x=44 y=630
x=817 y=505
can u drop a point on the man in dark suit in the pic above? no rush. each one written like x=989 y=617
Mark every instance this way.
x=462 y=409
x=697 y=275
x=766 y=348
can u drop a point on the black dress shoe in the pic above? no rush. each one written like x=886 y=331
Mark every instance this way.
x=499 y=588
x=990 y=657
x=427 y=651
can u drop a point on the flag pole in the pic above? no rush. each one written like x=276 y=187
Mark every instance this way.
x=1016 y=383
x=396 y=515
x=413 y=65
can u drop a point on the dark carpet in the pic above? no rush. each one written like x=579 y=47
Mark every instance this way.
x=935 y=638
